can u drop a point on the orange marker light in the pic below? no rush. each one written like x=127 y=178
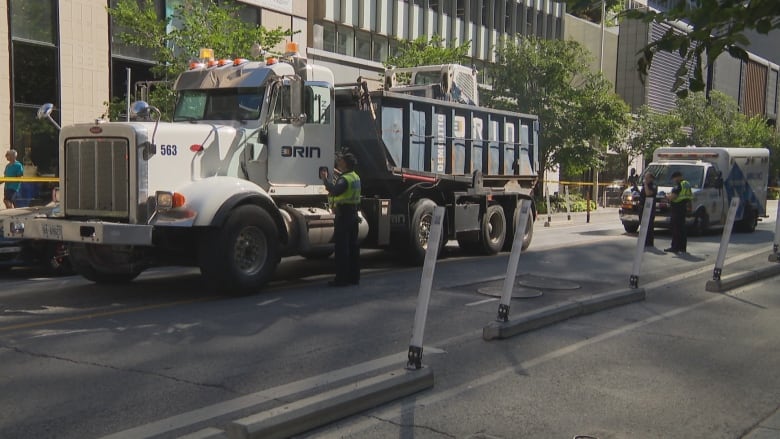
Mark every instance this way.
x=178 y=199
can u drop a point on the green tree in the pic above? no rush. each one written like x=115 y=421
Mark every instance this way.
x=194 y=24
x=717 y=27
x=718 y=122
x=577 y=108
x=424 y=52
x=650 y=130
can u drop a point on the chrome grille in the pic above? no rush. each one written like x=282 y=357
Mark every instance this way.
x=97 y=177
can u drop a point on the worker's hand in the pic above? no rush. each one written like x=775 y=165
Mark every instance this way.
x=323 y=173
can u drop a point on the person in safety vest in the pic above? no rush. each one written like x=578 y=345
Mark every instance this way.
x=680 y=197
x=344 y=196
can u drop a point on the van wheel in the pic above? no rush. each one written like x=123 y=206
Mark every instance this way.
x=242 y=255
x=700 y=225
x=420 y=230
x=749 y=220
x=631 y=227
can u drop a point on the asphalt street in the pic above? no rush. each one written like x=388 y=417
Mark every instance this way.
x=164 y=357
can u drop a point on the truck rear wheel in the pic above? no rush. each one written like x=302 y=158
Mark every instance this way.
x=493 y=232
x=242 y=255
x=510 y=231
x=420 y=230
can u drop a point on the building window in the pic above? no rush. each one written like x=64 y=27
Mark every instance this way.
x=345 y=41
x=35 y=81
x=363 y=45
x=34 y=20
x=329 y=37
x=379 y=49
x=460 y=9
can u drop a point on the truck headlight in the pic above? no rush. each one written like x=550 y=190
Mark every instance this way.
x=169 y=200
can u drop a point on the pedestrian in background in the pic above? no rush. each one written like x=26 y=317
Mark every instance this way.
x=649 y=190
x=345 y=199
x=679 y=198
x=14 y=168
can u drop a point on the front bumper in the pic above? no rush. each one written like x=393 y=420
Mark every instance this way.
x=662 y=220
x=89 y=232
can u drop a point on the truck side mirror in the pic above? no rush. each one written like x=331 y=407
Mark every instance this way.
x=297 y=116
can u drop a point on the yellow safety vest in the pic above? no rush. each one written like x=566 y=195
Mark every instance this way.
x=685 y=192
x=352 y=194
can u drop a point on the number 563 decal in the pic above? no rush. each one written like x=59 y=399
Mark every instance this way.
x=168 y=150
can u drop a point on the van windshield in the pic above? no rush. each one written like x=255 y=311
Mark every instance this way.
x=663 y=174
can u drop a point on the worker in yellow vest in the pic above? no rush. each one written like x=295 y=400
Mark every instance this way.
x=680 y=197
x=344 y=196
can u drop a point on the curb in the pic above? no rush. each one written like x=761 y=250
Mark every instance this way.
x=549 y=315
x=739 y=279
x=308 y=413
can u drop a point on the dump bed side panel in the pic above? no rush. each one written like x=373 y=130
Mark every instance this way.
x=440 y=140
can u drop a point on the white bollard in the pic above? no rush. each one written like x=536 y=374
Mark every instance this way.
x=775 y=256
x=568 y=210
x=724 y=241
x=514 y=257
x=644 y=223
x=424 y=296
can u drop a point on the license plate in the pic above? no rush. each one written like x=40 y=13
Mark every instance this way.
x=10 y=249
x=51 y=231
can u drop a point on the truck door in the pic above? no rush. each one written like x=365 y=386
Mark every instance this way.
x=298 y=145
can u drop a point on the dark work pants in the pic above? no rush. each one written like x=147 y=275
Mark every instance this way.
x=347 y=246
x=679 y=231
x=650 y=237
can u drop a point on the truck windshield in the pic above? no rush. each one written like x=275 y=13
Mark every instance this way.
x=663 y=174
x=219 y=104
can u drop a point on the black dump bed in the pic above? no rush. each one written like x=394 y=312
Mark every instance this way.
x=410 y=138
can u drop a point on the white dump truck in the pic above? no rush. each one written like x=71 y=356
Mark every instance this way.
x=231 y=185
x=716 y=175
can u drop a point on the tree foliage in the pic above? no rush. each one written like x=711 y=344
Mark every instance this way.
x=650 y=130
x=194 y=24
x=579 y=112
x=424 y=52
x=699 y=122
x=717 y=27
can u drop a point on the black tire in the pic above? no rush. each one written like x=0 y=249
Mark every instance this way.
x=493 y=231
x=510 y=230
x=631 y=227
x=701 y=223
x=242 y=255
x=529 y=231
x=420 y=229
x=84 y=261
x=319 y=254
x=749 y=220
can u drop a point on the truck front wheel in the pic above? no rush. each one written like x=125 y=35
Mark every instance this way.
x=95 y=263
x=242 y=255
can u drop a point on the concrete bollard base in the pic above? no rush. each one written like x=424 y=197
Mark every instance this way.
x=549 y=315
x=738 y=279
x=315 y=411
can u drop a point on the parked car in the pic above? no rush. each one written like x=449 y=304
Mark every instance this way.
x=51 y=256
